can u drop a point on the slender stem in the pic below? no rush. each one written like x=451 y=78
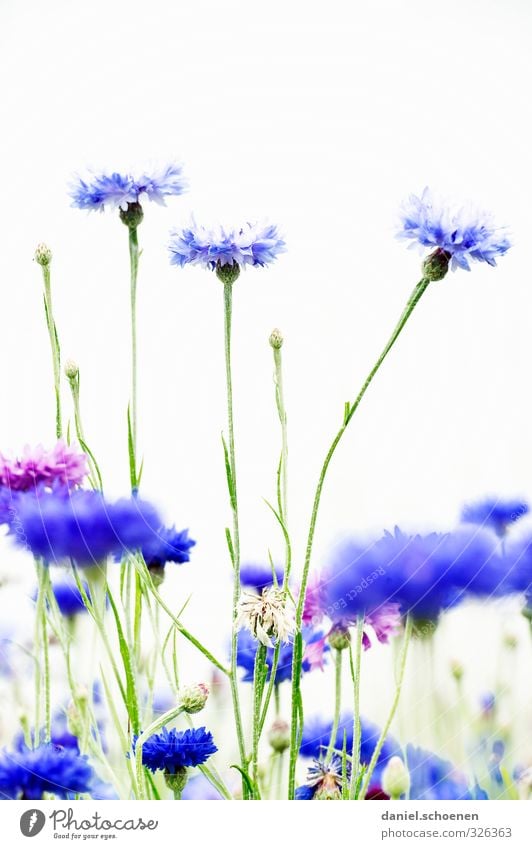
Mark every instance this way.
x=95 y=477
x=141 y=739
x=349 y=412
x=134 y=267
x=147 y=581
x=357 y=729
x=282 y=476
x=272 y=686
x=228 y=311
x=259 y=678
x=337 y=702
x=54 y=345
x=393 y=709
x=41 y=648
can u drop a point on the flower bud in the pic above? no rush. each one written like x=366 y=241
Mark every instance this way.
x=132 y=216
x=395 y=778
x=339 y=638
x=279 y=735
x=43 y=254
x=276 y=339
x=228 y=273
x=436 y=265
x=176 y=781
x=194 y=697
x=71 y=369
x=457 y=670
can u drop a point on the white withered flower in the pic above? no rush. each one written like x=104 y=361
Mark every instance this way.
x=268 y=616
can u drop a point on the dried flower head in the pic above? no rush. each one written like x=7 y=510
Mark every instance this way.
x=266 y=616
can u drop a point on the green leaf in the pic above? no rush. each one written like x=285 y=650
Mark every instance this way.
x=131 y=691
x=249 y=783
x=131 y=452
x=229 y=475
x=87 y=450
x=229 y=540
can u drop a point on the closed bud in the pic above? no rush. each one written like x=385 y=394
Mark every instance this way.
x=457 y=670
x=339 y=638
x=43 y=254
x=276 y=339
x=194 y=697
x=436 y=265
x=71 y=369
x=132 y=216
x=395 y=778
x=279 y=735
x=176 y=781
x=228 y=273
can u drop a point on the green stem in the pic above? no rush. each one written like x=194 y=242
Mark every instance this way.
x=134 y=267
x=170 y=715
x=147 y=581
x=228 y=311
x=54 y=345
x=282 y=475
x=337 y=703
x=349 y=412
x=259 y=678
x=272 y=686
x=95 y=477
x=357 y=729
x=393 y=709
x=41 y=647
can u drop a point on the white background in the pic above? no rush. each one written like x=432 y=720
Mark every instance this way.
x=321 y=117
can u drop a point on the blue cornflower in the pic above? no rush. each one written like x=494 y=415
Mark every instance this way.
x=462 y=235
x=258 y=576
x=324 y=780
x=251 y=244
x=114 y=190
x=431 y=777
x=495 y=513
x=173 y=751
x=29 y=773
x=317 y=733
x=68 y=597
x=81 y=525
x=167 y=546
x=247 y=649
x=424 y=574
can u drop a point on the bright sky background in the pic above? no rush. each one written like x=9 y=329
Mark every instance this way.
x=321 y=117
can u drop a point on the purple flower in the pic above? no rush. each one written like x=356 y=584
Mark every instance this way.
x=251 y=244
x=64 y=465
x=115 y=191
x=463 y=235
x=81 y=525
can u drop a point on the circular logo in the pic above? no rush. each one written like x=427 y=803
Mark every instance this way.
x=32 y=822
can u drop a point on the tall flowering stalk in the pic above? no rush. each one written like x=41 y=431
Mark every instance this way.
x=127 y=192
x=226 y=252
x=43 y=256
x=456 y=239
